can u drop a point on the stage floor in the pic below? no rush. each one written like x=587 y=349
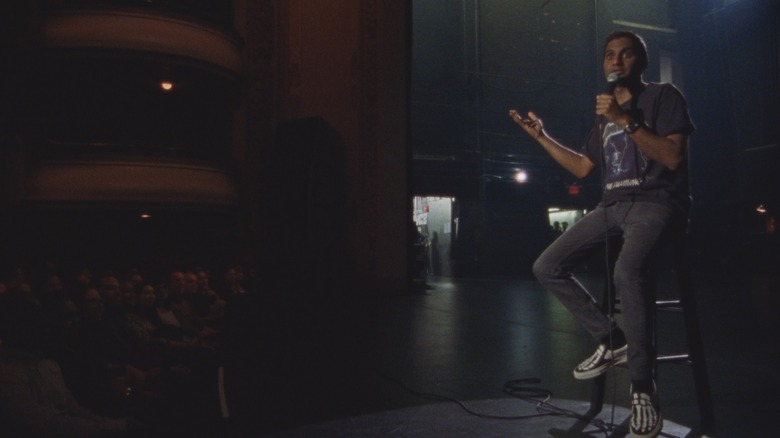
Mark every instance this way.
x=451 y=420
x=365 y=367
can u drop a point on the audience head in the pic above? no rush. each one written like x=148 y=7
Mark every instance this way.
x=84 y=278
x=203 y=280
x=190 y=283
x=176 y=283
x=92 y=307
x=109 y=287
x=147 y=296
x=129 y=295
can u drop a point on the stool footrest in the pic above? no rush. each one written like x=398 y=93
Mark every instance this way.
x=673 y=358
x=669 y=305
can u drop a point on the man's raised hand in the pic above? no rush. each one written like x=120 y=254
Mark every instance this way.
x=532 y=125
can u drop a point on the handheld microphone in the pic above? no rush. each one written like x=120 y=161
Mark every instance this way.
x=612 y=81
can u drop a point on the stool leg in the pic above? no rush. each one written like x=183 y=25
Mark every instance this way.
x=695 y=348
x=597 y=396
x=608 y=306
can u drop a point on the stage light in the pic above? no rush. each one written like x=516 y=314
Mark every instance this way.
x=166 y=85
x=761 y=209
x=521 y=176
x=145 y=216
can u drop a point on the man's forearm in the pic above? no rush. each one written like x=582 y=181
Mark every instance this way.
x=576 y=163
x=669 y=150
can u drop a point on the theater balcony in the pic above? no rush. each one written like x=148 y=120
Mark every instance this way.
x=121 y=102
x=196 y=30
x=129 y=179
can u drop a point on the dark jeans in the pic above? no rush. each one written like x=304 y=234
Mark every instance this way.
x=642 y=226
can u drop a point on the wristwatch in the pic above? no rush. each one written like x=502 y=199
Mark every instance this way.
x=632 y=127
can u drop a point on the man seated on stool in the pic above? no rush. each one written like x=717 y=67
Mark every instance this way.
x=640 y=143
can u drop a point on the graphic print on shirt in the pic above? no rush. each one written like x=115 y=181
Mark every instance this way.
x=624 y=163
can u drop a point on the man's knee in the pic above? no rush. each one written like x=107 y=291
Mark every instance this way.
x=543 y=269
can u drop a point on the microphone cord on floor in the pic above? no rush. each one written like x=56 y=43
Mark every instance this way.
x=518 y=389
x=462 y=405
x=521 y=389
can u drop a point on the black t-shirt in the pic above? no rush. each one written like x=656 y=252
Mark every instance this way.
x=629 y=174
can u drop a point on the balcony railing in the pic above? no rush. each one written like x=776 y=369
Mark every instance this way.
x=218 y=12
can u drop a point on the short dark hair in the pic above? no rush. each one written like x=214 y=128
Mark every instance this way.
x=638 y=43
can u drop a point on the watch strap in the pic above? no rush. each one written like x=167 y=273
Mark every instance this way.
x=632 y=127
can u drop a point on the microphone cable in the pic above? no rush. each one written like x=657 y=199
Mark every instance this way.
x=520 y=389
x=608 y=266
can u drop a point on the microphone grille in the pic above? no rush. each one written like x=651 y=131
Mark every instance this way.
x=613 y=77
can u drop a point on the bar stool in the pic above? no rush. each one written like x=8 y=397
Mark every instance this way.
x=685 y=304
